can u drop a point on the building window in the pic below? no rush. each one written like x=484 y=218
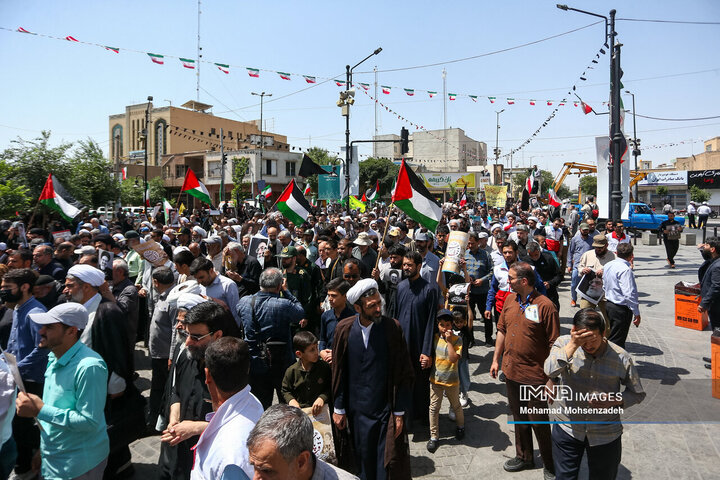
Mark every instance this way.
x=117 y=142
x=289 y=169
x=214 y=169
x=708 y=147
x=180 y=171
x=160 y=126
x=270 y=167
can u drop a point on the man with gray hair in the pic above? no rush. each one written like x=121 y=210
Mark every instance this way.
x=267 y=319
x=548 y=269
x=281 y=446
x=241 y=268
x=126 y=296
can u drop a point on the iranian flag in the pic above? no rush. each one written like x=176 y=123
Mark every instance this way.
x=549 y=102
x=309 y=79
x=308 y=190
x=266 y=191
x=124 y=173
x=553 y=198
x=188 y=63
x=473 y=98
x=385 y=89
x=113 y=49
x=159 y=59
x=530 y=182
x=284 y=75
x=561 y=104
x=511 y=101
x=193 y=186
x=463 y=197
x=253 y=72
x=365 y=86
x=71 y=39
x=223 y=67
x=22 y=30
x=492 y=99
x=55 y=196
x=410 y=92
x=340 y=83
x=432 y=94
x=532 y=102
x=293 y=205
x=412 y=197
x=586 y=108
x=452 y=96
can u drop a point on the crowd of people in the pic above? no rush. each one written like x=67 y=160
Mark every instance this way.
x=352 y=315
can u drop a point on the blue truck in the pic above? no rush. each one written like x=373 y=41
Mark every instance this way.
x=639 y=216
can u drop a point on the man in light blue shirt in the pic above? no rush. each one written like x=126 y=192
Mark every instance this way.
x=71 y=415
x=621 y=294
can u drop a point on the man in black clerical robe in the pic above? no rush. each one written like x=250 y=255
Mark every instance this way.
x=372 y=385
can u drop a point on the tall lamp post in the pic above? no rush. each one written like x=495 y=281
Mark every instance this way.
x=346 y=99
x=497 y=149
x=262 y=96
x=146 y=134
x=616 y=135
x=635 y=143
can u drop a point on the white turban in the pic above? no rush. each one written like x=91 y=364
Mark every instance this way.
x=200 y=231
x=359 y=289
x=180 y=249
x=87 y=274
x=188 y=300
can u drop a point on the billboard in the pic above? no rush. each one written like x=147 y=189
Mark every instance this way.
x=329 y=185
x=704 y=178
x=675 y=177
x=496 y=195
x=444 y=180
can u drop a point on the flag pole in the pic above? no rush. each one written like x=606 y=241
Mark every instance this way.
x=382 y=240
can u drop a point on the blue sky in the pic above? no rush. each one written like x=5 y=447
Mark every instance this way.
x=71 y=88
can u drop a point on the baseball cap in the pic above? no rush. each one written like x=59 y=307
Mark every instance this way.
x=213 y=239
x=85 y=250
x=184 y=231
x=130 y=234
x=483 y=235
x=444 y=313
x=71 y=314
x=422 y=236
x=584 y=226
x=288 y=252
x=599 y=240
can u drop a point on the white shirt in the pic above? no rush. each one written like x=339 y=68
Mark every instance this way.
x=366 y=333
x=224 y=440
x=619 y=284
x=691 y=209
x=704 y=210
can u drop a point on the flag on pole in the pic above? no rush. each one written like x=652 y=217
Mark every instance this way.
x=181 y=209
x=55 y=196
x=530 y=182
x=253 y=72
x=463 y=197
x=166 y=210
x=266 y=191
x=223 y=67
x=293 y=205
x=432 y=94
x=188 y=63
x=355 y=203
x=412 y=197
x=374 y=193
x=309 y=79
x=308 y=190
x=586 y=108
x=71 y=39
x=452 y=96
x=113 y=49
x=146 y=196
x=553 y=198
x=492 y=99
x=284 y=75
x=193 y=186
x=385 y=89
x=159 y=59
x=410 y=92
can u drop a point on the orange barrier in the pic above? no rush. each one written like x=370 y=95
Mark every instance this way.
x=687 y=300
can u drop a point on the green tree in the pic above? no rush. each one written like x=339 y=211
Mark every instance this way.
x=698 y=194
x=241 y=189
x=519 y=180
x=13 y=196
x=588 y=185
x=131 y=194
x=661 y=190
x=92 y=182
x=382 y=169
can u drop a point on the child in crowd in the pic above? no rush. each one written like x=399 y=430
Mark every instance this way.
x=337 y=289
x=463 y=318
x=444 y=378
x=307 y=383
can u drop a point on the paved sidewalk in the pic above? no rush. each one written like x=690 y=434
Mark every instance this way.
x=672 y=372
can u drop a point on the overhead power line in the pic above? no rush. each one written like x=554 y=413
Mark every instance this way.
x=680 y=22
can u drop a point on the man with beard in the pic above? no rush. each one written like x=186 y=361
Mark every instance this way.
x=303 y=261
x=46 y=291
x=548 y=269
x=334 y=262
x=216 y=286
x=106 y=333
x=480 y=268
x=594 y=261
x=520 y=236
x=24 y=339
x=159 y=339
x=364 y=252
x=389 y=278
x=372 y=378
x=710 y=285
x=579 y=244
x=417 y=305
x=298 y=282
x=126 y=297
x=243 y=269
x=430 y=261
x=190 y=400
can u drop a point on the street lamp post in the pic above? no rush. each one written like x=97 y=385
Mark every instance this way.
x=497 y=135
x=635 y=143
x=262 y=96
x=615 y=170
x=146 y=135
x=348 y=156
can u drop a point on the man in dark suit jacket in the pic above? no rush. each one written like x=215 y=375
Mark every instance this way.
x=710 y=286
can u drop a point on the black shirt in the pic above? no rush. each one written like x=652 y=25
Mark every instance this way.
x=666 y=224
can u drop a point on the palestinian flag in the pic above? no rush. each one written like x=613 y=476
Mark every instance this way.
x=113 y=49
x=159 y=59
x=308 y=190
x=253 y=72
x=71 y=39
x=452 y=96
x=410 y=92
x=492 y=99
x=193 y=186
x=374 y=193
x=385 y=89
x=473 y=98
x=432 y=94
x=284 y=75
x=56 y=197
x=365 y=86
x=223 y=67
x=188 y=63
x=293 y=205
x=309 y=79
x=340 y=83
x=266 y=191
x=511 y=101
x=166 y=210
x=412 y=197
x=532 y=102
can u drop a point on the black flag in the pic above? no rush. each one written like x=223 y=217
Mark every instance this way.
x=308 y=167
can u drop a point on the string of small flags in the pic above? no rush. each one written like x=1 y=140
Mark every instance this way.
x=189 y=63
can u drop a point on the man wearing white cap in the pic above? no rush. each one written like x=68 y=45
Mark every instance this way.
x=74 y=441
x=372 y=385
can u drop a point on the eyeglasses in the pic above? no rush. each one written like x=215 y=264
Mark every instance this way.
x=193 y=337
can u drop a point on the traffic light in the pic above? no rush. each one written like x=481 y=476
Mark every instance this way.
x=404 y=141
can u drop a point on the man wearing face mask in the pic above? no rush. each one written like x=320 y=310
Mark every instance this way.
x=24 y=339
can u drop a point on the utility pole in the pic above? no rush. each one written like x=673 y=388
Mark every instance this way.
x=199 y=56
x=146 y=135
x=376 y=112
x=616 y=134
x=222 y=166
x=444 y=77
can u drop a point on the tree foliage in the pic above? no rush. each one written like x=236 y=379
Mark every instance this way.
x=661 y=190
x=92 y=182
x=548 y=179
x=131 y=194
x=382 y=169
x=241 y=189
x=698 y=194
x=13 y=196
x=588 y=185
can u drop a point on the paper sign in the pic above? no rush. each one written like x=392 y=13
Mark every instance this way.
x=64 y=234
x=12 y=365
x=323 y=445
x=152 y=252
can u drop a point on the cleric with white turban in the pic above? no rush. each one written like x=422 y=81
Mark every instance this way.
x=360 y=289
x=87 y=274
